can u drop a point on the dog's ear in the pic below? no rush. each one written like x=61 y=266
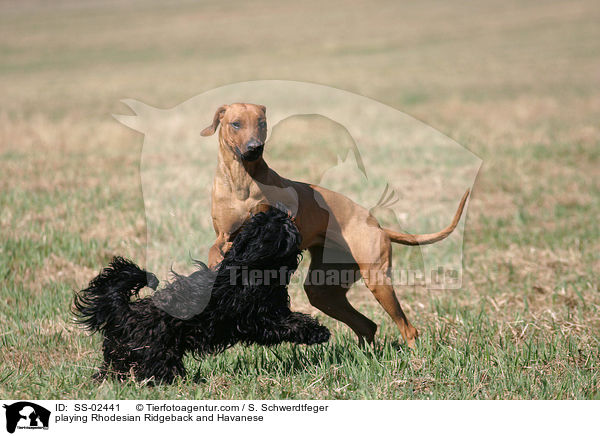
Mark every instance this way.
x=210 y=130
x=263 y=108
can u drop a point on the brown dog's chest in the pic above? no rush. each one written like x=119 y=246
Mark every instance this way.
x=233 y=204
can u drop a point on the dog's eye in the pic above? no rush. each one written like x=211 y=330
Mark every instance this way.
x=262 y=124
x=235 y=125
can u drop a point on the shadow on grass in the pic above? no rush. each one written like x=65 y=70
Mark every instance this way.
x=290 y=360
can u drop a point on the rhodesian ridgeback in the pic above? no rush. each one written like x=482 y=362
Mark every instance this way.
x=355 y=241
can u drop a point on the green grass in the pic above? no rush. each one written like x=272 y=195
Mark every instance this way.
x=467 y=355
x=516 y=84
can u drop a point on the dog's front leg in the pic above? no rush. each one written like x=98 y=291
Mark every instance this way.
x=218 y=249
x=304 y=329
x=293 y=327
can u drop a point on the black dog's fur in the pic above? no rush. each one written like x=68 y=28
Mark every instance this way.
x=142 y=339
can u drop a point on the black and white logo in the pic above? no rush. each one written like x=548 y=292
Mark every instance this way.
x=26 y=415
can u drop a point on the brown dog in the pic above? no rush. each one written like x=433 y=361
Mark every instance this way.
x=338 y=233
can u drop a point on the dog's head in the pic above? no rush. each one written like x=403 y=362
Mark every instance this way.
x=269 y=240
x=243 y=129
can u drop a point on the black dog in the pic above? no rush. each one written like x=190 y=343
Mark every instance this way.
x=246 y=295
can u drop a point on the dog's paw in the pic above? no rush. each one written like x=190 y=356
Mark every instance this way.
x=320 y=335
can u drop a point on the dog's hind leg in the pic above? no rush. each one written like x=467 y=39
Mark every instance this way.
x=160 y=363
x=375 y=261
x=331 y=298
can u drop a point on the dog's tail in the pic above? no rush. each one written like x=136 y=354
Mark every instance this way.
x=107 y=298
x=428 y=238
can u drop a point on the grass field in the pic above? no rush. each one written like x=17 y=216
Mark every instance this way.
x=517 y=84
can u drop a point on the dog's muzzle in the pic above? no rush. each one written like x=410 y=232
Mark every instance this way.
x=254 y=150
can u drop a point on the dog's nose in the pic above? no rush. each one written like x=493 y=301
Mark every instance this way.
x=254 y=144
x=152 y=280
